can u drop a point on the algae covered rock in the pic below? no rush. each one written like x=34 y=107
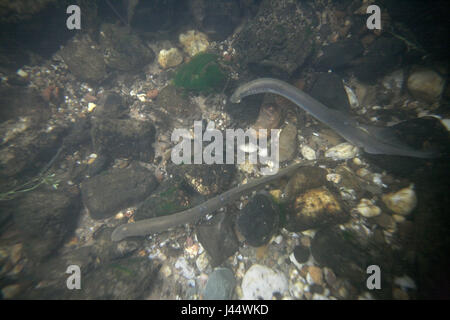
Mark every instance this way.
x=202 y=73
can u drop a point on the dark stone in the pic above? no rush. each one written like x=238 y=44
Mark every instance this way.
x=278 y=39
x=329 y=89
x=130 y=278
x=46 y=219
x=301 y=254
x=18 y=102
x=208 y=179
x=383 y=56
x=169 y=197
x=305 y=178
x=218 y=238
x=220 y=285
x=349 y=254
x=258 y=221
x=111 y=105
x=180 y=109
x=124 y=50
x=123 y=138
x=339 y=54
x=107 y=193
x=24 y=109
x=216 y=18
x=84 y=59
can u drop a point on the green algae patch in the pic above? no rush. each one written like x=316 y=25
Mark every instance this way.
x=201 y=74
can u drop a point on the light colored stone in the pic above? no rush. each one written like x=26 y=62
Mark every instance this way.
x=194 y=42
x=367 y=209
x=426 y=84
x=342 y=151
x=334 y=177
x=352 y=99
x=202 y=262
x=308 y=153
x=261 y=282
x=401 y=202
x=170 y=58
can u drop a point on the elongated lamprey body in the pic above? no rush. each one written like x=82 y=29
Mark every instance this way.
x=159 y=224
x=374 y=140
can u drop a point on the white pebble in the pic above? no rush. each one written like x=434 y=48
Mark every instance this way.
x=367 y=209
x=334 y=177
x=401 y=202
x=308 y=153
x=262 y=282
x=342 y=151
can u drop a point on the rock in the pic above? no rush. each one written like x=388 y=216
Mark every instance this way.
x=426 y=84
x=208 y=180
x=269 y=117
x=401 y=202
x=301 y=254
x=339 y=54
x=367 y=209
x=288 y=143
x=178 y=108
x=123 y=138
x=342 y=151
x=105 y=194
x=14 y=11
x=84 y=59
x=110 y=105
x=168 y=198
x=170 y=58
x=348 y=255
x=316 y=275
x=308 y=153
x=25 y=143
x=261 y=282
x=124 y=50
x=314 y=208
x=106 y=250
x=202 y=262
x=385 y=221
x=218 y=238
x=394 y=82
x=220 y=285
x=352 y=97
x=193 y=42
x=46 y=219
x=329 y=89
x=305 y=178
x=217 y=19
x=383 y=55
x=130 y=278
x=278 y=38
x=258 y=221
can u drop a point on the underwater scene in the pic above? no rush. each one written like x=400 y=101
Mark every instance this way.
x=224 y=150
